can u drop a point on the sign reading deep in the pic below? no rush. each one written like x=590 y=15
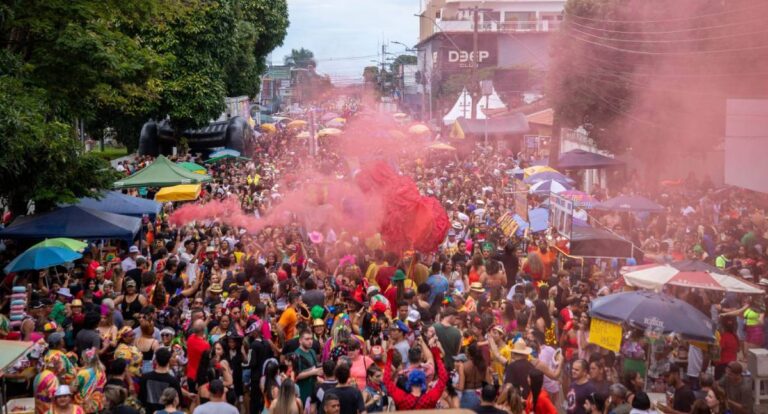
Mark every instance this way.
x=461 y=53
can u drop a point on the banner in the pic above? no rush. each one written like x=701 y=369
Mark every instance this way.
x=507 y=224
x=605 y=334
x=459 y=54
x=561 y=215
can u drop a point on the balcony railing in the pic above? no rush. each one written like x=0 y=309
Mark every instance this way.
x=500 y=27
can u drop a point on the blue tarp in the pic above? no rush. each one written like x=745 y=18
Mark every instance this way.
x=119 y=203
x=74 y=222
x=539 y=221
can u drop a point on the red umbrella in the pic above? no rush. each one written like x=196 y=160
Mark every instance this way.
x=687 y=273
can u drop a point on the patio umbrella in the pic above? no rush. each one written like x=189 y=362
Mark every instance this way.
x=225 y=152
x=643 y=309
x=42 y=257
x=303 y=135
x=297 y=124
x=191 y=166
x=546 y=175
x=269 y=128
x=419 y=129
x=442 y=146
x=687 y=273
x=65 y=242
x=579 y=198
x=548 y=186
x=538 y=169
x=336 y=123
x=184 y=192
x=630 y=203
x=329 y=132
x=329 y=115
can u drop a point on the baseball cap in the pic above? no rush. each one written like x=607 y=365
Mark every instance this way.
x=133 y=249
x=401 y=326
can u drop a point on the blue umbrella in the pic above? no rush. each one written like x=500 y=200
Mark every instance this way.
x=642 y=309
x=548 y=175
x=41 y=258
x=549 y=186
x=225 y=152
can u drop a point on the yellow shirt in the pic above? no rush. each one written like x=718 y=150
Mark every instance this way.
x=288 y=321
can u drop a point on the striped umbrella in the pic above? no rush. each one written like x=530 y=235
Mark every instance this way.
x=548 y=186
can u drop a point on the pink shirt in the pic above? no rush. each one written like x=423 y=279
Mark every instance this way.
x=358 y=368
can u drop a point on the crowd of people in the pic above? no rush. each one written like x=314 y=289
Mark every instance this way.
x=207 y=318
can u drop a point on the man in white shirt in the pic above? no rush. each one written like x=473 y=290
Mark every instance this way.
x=129 y=263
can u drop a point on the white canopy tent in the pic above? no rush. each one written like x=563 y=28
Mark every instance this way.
x=463 y=106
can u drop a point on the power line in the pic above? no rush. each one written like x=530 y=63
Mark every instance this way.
x=656 y=32
x=675 y=19
x=601 y=64
x=700 y=39
x=645 y=52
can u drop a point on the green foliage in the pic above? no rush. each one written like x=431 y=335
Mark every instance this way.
x=41 y=159
x=115 y=63
x=370 y=74
x=402 y=60
x=301 y=58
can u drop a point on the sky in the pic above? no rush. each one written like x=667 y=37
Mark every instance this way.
x=345 y=35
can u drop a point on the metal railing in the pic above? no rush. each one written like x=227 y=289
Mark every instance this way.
x=500 y=27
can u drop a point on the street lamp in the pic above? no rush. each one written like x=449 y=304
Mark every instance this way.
x=407 y=48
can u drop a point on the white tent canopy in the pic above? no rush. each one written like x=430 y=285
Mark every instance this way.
x=463 y=106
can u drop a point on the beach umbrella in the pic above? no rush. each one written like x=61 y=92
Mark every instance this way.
x=686 y=273
x=191 y=166
x=336 y=123
x=225 y=153
x=579 y=198
x=548 y=186
x=303 y=135
x=268 y=128
x=396 y=134
x=41 y=258
x=64 y=242
x=329 y=132
x=547 y=176
x=297 y=124
x=442 y=146
x=419 y=129
x=538 y=169
x=184 y=192
x=399 y=116
x=644 y=309
x=328 y=116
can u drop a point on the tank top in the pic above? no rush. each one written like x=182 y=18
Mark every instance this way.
x=128 y=309
x=751 y=318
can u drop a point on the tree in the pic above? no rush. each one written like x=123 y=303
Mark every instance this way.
x=370 y=74
x=402 y=60
x=300 y=58
x=41 y=160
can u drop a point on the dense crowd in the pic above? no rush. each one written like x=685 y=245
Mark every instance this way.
x=207 y=317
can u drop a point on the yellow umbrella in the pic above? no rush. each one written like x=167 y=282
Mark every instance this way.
x=442 y=146
x=297 y=124
x=397 y=134
x=326 y=132
x=339 y=120
x=419 y=129
x=269 y=128
x=303 y=135
x=537 y=169
x=183 y=192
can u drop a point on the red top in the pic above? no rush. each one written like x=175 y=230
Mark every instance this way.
x=196 y=346
x=383 y=276
x=729 y=347
x=406 y=400
x=543 y=404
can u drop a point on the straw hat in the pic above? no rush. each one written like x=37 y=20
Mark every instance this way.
x=521 y=348
x=477 y=287
x=215 y=288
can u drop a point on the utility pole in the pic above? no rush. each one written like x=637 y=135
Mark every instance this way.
x=474 y=62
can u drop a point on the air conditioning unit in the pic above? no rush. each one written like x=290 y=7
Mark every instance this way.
x=757 y=362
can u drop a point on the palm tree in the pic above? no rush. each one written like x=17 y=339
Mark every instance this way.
x=302 y=58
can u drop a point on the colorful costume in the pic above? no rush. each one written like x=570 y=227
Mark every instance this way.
x=44 y=386
x=131 y=354
x=90 y=385
x=61 y=365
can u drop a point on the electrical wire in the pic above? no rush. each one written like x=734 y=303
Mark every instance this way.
x=645 y=52
x=660 y=32
x=674 y=19
x=664 y=41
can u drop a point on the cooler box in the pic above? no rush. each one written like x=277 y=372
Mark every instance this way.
x=20 y=406
x=757 y=362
